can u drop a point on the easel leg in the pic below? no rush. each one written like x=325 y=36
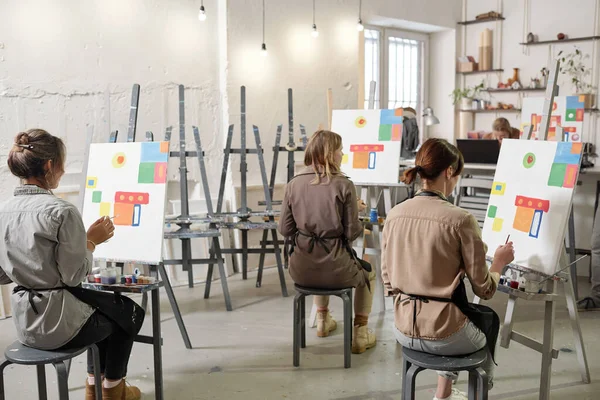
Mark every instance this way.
x=387 y=200
x=222 y=273
x=574 y=317
x=261 y=261
x=507 y=328
x=244 y=254
x=174 y=306
x=547 y=346
x=209 y=272
x=186 y=256
x=279 y=264
x=573 y=253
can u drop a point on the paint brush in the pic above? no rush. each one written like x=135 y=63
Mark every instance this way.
x=508 y=237
x=114 y=216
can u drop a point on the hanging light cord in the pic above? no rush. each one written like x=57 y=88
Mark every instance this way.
x=263 y=21
x=360 y=10
x=201 y=3
x=314 y=23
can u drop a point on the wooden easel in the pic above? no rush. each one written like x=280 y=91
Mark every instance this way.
x=546 y=347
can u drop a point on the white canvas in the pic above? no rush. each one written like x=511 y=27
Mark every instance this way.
x=128 y=181
x=372 y=140
x=531 y=199
x=568 y=112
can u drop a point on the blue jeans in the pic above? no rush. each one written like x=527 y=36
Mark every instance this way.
x=467 y=340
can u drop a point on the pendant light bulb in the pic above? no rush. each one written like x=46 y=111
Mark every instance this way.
x=263 y=50
x=315 y=32
x=202 y=14
x=360 y=27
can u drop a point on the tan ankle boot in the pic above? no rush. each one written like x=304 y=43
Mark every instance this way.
x=362 y=339
x=325 y=324
x=90 y=391
x=121 y=392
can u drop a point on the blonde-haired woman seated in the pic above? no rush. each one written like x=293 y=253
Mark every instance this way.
x=501 y=129
x=320 y=215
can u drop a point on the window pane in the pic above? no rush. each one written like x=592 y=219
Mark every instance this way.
x=404 y=85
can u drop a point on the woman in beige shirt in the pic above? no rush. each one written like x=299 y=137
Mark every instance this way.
x=429 y=246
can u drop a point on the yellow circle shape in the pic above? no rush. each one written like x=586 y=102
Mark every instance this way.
x=119 y=160
x=360 y=122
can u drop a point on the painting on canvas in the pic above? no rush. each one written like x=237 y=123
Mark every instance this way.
x=531 y=199
x=567 y=112
x=372 y=140
x=127 y=181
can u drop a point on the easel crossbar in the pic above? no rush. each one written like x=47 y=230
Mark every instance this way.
x=531 y=343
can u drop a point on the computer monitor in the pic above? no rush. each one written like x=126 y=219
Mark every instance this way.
x=479 y=151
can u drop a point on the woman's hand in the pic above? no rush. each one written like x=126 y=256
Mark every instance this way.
x=503 y=256
x=100 y=231
x=361 y=205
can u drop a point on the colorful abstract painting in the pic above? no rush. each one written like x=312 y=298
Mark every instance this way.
x=371 y=140
x=530 y=200
x=567 y=112
x=127 y=182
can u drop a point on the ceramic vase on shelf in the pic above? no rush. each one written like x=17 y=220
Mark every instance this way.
x=466 y=103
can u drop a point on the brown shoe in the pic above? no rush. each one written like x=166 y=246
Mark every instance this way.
x=90 y=392
x=325 y=324
x=121 y=392
x=363 y=339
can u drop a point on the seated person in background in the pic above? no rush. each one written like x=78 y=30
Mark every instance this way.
x=47 y=253
x=501 y=129
x=429 y=246
x=320 y=215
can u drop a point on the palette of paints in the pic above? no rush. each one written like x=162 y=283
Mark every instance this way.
x=110 y=276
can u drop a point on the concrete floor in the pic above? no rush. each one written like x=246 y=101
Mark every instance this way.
x=247 y=354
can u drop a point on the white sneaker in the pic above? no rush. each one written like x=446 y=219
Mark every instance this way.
x=455 y=395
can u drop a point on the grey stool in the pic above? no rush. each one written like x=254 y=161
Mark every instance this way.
x=18 y=353
x=300 y=319
x=416 y=361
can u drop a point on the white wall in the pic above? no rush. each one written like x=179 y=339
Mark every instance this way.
x=308 y=65
x=442 y=80
x=546 y=18
x=65 y=64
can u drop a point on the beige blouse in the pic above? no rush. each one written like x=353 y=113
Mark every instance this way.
x=428 y=246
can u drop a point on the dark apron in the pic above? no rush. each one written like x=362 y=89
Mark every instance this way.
x=481 y=316
x=123 y=311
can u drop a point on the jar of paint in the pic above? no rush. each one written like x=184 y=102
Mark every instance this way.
x=373 y=215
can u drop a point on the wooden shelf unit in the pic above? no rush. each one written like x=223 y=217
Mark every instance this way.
x=480 y=21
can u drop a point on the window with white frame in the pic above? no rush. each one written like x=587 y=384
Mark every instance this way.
x=396 y=61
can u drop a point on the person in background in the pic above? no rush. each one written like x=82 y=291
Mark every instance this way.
x=320 y=215
x=501 y=129
x=47 y=253
x=429 y=246
x=592 y=302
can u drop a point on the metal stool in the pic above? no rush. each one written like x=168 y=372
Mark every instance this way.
x=18 y=353
x=416 y=361
x=300 y=319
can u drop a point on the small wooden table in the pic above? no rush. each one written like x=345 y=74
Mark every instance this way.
x=155 y=340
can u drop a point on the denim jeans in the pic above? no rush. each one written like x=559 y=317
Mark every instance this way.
x=467 y=340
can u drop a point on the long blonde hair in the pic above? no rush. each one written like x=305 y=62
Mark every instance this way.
x=320 y=154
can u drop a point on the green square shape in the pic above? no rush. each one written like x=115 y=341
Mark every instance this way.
x=385 y=133
x=96 y=196
x=146 y=173
x=492 y=211
x=573 y=112
x=557 y=174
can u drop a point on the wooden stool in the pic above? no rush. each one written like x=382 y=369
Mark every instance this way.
x=18 y=353
x=300 y=319
x=416 y=361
